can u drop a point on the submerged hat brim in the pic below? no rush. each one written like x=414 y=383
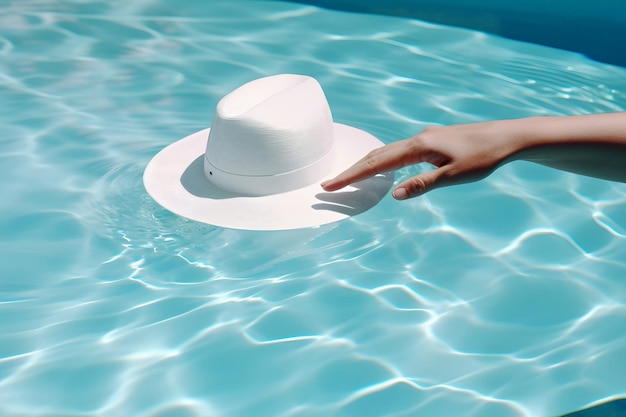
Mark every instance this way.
x=175 y=179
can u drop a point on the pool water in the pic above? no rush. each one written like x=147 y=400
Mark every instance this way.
x=505 y=297
x=596 y=29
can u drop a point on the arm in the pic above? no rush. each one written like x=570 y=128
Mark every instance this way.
x=593 y=145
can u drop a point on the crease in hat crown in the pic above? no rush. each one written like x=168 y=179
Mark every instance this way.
x=271 y=135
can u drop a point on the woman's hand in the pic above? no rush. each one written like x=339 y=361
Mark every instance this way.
x=592 y=145
x=462 y=153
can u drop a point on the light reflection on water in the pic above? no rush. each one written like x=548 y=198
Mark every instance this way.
x=504 y=297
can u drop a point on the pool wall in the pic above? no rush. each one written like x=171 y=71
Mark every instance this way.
x=596 y=29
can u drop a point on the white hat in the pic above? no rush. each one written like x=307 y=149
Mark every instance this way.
x=260 y=165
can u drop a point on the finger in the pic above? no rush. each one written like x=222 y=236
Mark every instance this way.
x=420 y=184
x=387 y=158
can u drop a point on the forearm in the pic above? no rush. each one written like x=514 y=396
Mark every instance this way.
x=593 y=145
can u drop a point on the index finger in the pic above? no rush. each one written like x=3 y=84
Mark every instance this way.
x=387 y=158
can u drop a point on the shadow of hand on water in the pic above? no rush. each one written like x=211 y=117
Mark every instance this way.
x=361 y=199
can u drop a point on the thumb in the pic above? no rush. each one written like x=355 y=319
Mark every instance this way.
x=419 y=184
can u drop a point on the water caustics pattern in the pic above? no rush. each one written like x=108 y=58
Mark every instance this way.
x=500 y=298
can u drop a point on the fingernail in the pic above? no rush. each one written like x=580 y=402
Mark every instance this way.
x=400 y=194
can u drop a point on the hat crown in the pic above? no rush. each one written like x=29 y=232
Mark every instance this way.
x=270 y=135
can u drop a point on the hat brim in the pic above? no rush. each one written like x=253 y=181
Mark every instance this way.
x=175 y=179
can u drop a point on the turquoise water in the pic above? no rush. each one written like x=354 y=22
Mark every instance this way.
x=594 y=28
x=501 y=298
